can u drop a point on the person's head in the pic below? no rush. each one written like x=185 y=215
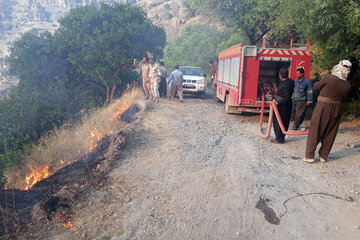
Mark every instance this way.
x=342 y=70
x=177 y=67
x=151 y=61
x=161 y=63
x=300 y=73
x=283 y=74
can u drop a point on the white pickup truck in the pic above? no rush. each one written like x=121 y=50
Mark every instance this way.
x=194 y=80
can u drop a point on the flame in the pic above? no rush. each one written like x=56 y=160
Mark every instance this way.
x=36 y=175
x=124 y=106
x=42 y=172
x=66 y=220
x=95 y=137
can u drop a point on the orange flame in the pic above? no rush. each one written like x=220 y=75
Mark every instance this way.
x=66 y=220
x=42 y=172
x=36 y=175
x=95 y=137
x=124 y=106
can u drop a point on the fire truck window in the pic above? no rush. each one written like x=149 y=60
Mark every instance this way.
x=221 y=71
x=234 y=71
x=227 y=71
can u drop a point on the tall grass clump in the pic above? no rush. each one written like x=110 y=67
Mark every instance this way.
x=67 y=144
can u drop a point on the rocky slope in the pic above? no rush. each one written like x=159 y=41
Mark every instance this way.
x=19 y=16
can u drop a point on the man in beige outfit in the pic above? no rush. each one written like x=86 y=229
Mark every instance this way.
x=155 y=79
x=145 y=67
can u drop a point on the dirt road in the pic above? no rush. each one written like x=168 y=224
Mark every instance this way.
x=190 y=171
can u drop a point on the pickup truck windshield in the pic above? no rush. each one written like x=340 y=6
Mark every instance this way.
x=191 y=71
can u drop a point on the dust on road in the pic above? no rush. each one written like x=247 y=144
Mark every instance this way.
x=190 y=171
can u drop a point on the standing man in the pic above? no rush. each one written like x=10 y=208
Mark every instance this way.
x=213 y=68
x=301 y=98
x=163 y=84
x=285 y=90
x=144 y=76
x=176 y=79
x=325 y=121
x=155 y=78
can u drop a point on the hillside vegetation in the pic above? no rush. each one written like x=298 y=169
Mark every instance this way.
x=85 y=64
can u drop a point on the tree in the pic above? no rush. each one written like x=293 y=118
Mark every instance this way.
x=195 y=46
x=255 y=18
x=332 y=25
x=232 y=38
x=60 y=75
x=102 y=42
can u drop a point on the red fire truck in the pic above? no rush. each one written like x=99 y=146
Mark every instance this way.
x=245 y=73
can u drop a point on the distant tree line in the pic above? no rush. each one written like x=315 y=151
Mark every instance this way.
x=85 y=64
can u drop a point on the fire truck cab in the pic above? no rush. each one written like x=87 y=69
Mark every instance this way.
x=245 y=73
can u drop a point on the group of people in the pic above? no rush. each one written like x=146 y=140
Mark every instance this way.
x=292 y=98
x=154 y=80
x=324 y=124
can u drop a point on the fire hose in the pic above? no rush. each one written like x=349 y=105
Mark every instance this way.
x=273 y=108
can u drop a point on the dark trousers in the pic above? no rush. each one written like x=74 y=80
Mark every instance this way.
x=299 y=107
x=324 y=125
x=285 y=114
x=163 y=87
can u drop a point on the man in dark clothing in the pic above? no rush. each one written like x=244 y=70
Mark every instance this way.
x=325 y=121
x=285 y=90
x=301 y=98
x=163 y=83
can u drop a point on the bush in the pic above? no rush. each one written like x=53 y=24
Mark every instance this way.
x=352 y=109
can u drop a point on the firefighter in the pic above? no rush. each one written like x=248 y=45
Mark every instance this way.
x=285 y=90
x=144 y=76
x=301 y=98
x=325 y=121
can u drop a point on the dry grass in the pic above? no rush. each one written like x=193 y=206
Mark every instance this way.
x=64 y=146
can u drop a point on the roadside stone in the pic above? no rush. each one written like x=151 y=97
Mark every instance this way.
x=355 y=145
x=127 y=200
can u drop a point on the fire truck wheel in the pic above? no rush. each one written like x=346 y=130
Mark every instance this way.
x=230 y=109
x=227 y=108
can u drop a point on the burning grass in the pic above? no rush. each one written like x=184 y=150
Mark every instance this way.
x=64 y=146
